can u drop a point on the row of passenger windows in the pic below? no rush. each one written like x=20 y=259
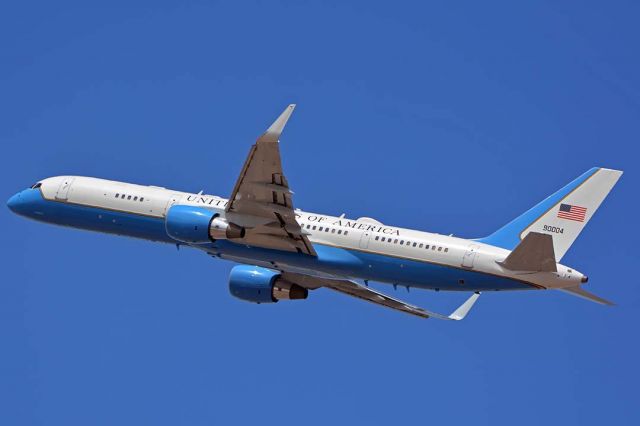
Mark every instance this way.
x=327 y=229
x=379 y=238
x=129 y=197
x=411 y=243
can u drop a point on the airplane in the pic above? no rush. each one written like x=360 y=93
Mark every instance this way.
x=284 y=253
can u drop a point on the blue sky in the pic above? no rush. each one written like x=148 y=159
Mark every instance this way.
x=447 y=117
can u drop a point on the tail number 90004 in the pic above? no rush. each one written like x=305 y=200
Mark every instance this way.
x=554 y=229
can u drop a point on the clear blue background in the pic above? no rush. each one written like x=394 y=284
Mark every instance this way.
x=452 y=117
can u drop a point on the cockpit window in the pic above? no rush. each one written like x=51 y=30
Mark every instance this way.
x=37 y=185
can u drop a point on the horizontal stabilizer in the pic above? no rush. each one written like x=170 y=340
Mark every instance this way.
x=534 y=253
x=580 y=292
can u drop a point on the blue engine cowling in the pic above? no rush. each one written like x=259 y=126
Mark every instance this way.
x=198 y=225
x=189 y=224
x=262 y=285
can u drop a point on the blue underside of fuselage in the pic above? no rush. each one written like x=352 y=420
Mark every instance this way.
x=330 y=260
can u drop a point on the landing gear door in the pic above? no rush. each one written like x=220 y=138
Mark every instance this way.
x=469 y=256
x=63 y=189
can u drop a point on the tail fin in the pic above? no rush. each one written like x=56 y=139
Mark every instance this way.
x=562 y=215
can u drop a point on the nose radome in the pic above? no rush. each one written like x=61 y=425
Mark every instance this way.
x=14 y=202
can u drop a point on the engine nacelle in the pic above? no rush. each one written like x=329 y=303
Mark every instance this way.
x=197 y=225
x=262 y=285
x=220 y=229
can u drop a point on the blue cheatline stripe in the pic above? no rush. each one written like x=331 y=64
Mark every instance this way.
x=342 y=262
x=331 y=260
x=94 y=218
x=508 y=237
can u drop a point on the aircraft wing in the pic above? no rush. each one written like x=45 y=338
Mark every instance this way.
x=354 y=289
x=262 y=193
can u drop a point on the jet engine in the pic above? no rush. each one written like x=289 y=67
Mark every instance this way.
x=262 y=285
x=197 y=225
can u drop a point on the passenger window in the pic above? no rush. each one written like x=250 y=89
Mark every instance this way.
x=439 y=248
x=333 y=230
x=135 y=198
x=117 y=195
x=433 y=247
x=141 y=198
x=415 y=244
x=326 y=229
x=339 y=231
x=383 y=239
x=128 y=197
x=377 y=238
x=346 y=232
x=308 y=226
x=320 y=229
x=420 y=246
x=314 y=227
x=426 y=247
x=395 y=241
x=446 y=249
x=401 y=242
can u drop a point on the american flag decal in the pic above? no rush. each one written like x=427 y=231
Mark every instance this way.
x=567 y=211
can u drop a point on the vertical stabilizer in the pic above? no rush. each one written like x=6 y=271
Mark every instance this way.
x=562 y=215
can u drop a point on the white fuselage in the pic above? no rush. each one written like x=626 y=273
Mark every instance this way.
x=362 y=235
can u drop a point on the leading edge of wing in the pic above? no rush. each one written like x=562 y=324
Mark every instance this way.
x=368 y=294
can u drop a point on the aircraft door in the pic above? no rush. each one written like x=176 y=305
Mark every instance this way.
x=172 y=200
x=364 y=239
x=469 y=256
x=63 y=189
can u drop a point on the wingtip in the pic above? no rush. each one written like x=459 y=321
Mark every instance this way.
x=275 y=130
x=606 y=169
x=460 y=313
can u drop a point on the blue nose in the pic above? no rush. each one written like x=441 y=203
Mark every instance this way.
x=15 y=202
x=24 y=202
